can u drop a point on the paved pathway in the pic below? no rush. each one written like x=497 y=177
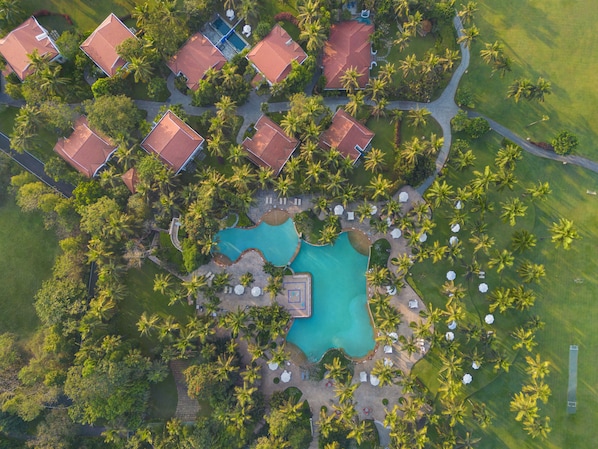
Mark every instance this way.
x=186 y=408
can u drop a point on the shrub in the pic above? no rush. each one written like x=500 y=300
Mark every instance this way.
x=157 y=89
x=276 y=380
x=262 y=30
x=564 y=142
x=286 y=17
x=385 y=402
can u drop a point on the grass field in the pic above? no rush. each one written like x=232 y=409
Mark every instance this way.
x=27 y=252
x=85 y=14
x=548 y=39
x=565 y=303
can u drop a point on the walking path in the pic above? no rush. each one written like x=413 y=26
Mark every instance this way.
x=186 y=407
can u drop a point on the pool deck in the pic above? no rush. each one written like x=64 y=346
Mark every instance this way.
x=367 y=398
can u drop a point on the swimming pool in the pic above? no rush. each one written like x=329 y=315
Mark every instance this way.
x=278 y=244
x=339 y=302
x=228 y=35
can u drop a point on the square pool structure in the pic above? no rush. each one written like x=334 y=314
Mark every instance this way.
x=296 y=295
x=224 y=37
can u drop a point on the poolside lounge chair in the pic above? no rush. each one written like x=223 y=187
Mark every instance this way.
x=413 y=304
x=363 y=376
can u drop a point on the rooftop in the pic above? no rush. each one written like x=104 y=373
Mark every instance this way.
x=195 y=58
x=273 y=55
x=270 y=146
x=173 y=141
x=86 y=150
x=130 y=179
x=348 y=46
x=350 y=137
x=101 y=45
x=22 y=41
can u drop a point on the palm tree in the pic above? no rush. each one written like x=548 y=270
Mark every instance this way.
x=376 y=88
x=467 y=11
x=531 y=272
x=235 y=321
x=314 y=35
x=439 y=192
x=511 y=209
x=541 y=88
x=501 y=260
x=344 y=391
x=520 y=88
x=536 y=367
x=418 y=117
x=538 y=389
x=350 y=79
x=522 y=240
x=141 y=69
x=380 y=187
x=491 y=52
x=468 y=35
x=563 y=233
x=501 y=299
x=482 y=242
x=524 y=406
x=162 y=282
x=308 y=11
x=282 y=185
x=265 y=175
x=355 y=103
x=525 y=338
x=336 y=370
x=11 y=13
x=507 y=156
x=147 y=324
x=359 y=431
x=539 y=190
x=249 y=9
x=468 y=441
x=385 y=373
x=226 y=109
x=538 y=427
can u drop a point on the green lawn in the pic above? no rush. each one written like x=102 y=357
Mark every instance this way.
x=548 y=39
x=86 y=15
x=27 y=252
x=7 y=119
x=565 y=303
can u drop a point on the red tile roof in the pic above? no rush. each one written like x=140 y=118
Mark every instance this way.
x=130 y=179
x=22 y=41
x=101 y=45
x=175 y=142
x=195 y=58
x=345 y=133
x=348 y=46
x=85 y=149
x=272 y=55
x=270 y=146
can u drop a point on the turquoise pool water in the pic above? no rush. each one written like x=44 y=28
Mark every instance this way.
x=339 y=303
x=277 y=243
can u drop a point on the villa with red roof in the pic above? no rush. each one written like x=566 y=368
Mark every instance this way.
x=272 y=56
x=85 y=149
x=23 y=41
x=346 y=134
x=173 y=141
x=269 y=146
x=101 y=45
x=195 y=58
x=348 y=47
x=131 y=179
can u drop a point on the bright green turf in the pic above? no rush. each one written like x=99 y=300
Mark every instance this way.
x=549 y=39
x=566 y=302
x=86 y=15
x=27 y=253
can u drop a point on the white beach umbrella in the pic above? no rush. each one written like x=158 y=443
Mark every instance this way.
x=451 y=275
x=338 y=210
x=230 y=14
x=483 y=287
x=423 y=237
x=456 y=227
x=489 y=319
x=239 y=289
x=449 y=336
x=391 y=290
x=452 y=325
x=453 y=240
x=467 y=378
x=285 y=376
x=373 y=209
x=396 y=233
x=475 y=365
x=394 y=336
x=458 y=205
x=256 y=291
x=403 y=197
x=374 y=380
x=273 y=366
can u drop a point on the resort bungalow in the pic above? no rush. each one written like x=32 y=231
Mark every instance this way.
x=23 y=41
x=195 y=58
x=272 y=56
x=101 y=45
x=173 y=141
x=348 y=47
x=86 y=150
x=351 y=138
x=269 y=146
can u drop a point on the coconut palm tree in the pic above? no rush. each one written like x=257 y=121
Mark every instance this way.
x=439 y=192
x=468 y=441
x=236 y=322
x=501 y=260
x=355 y=103
x=501 y=299
x=344 y=391
x=520 y=88
x=350 y=79
x=531 y=272
x=511 y=209
x=308 y=11
x=525 y=338
x=468 y=35
x=385 y=373
x=522 y=240
x=539 y=190
x=538 y=389
x=359 y=431
x=538 y=427
x=147 y=323
x=141 y=68
x=336 y=370
x=541 y=89
x=380 y=187
x=314 y=36
x=418 y=117
x=525 y=407
x=492 y=52
x=563 y=233
x=536 y=367
x=283 y=185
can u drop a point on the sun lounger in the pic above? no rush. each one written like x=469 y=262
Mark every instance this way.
x=363 y=376
x=413 y=304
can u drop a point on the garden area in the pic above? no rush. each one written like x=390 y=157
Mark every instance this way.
x=564 y=299
x=542 y=41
